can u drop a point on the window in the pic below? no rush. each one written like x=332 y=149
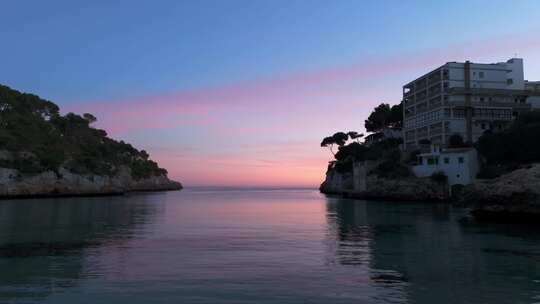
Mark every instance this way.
x=446 y=160
x=509 y=81
x=481 y=99
x=445 y=73
x=446 y=112
x=459 y=113
x=433 y=161
x=483 y=126
x=481 y=74
x=461 y=160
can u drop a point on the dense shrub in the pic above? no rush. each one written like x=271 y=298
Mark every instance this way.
x=456 y=141
x=439 y=177
x=412 y=157
x=391 y=170
x=34 y=126
x=518 y=144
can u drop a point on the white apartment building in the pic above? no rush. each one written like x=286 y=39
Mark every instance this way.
x=465 y=98
x=534 y=90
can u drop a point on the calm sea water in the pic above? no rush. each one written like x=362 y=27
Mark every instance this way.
x=279 y=246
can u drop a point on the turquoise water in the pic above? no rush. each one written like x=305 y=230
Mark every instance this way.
x=259 y=246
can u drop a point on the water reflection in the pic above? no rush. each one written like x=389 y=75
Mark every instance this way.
x=43 y=243
x=259 y=247
x=428 y=253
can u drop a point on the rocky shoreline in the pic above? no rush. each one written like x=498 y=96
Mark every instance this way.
x=364 y=184
x=65 y=183
x=514 y=196
x=409 y=189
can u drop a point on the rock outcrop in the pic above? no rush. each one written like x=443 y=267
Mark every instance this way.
x=408 y=189
x=362 y=184
x=515 y=193
x=66 y=183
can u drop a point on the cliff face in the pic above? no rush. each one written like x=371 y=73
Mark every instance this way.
x=49 y=183
x=362 y=184
x=409 y=189
x=45 y=153
x=517 y=192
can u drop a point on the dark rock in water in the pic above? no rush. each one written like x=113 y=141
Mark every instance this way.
x=486 y=215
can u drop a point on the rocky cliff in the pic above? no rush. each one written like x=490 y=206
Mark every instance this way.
x=515 y=193
x=66 y=183
x=363 y=184
x=45 y=153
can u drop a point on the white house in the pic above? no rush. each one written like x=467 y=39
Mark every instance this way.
x=459 y=164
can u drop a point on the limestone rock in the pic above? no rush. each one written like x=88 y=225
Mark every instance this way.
x=49 y=183
x=515 y=192
x=407 y=189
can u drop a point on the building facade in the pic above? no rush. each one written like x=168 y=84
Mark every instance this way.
x=533 y=88
x=460 y=165
x=464 y=98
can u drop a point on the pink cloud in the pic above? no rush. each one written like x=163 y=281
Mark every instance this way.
x=302 y=106
x=187 y=107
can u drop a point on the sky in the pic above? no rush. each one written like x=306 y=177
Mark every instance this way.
x=240 y=93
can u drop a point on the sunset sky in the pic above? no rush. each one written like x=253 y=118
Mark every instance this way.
x=240 y=93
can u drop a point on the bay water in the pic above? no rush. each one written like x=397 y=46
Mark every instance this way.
x=207 y=245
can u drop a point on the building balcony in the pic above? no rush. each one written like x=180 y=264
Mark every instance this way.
x=420 y=84
x=435 y=91
x=434 y=132
x=434 y=77
x=494 y=104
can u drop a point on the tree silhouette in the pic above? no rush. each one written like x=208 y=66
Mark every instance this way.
x=384 y=116
x=353 y=135
x=339 y=139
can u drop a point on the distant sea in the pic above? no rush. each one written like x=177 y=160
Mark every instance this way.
x=233 y=245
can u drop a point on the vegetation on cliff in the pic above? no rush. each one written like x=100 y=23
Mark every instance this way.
x=35 y=137
x=511 y=148
x=384 y=116
x=517 y=144
x=385 y=151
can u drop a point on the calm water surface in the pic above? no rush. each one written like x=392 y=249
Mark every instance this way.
x=279 y=246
